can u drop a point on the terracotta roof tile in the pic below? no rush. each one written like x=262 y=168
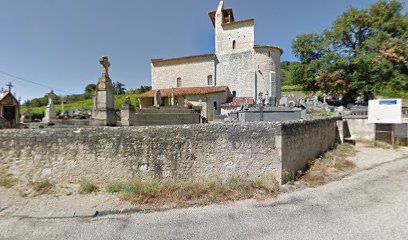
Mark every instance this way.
x=185 y=91
x=239 y=101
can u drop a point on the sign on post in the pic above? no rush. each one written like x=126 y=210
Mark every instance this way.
x=384 y=111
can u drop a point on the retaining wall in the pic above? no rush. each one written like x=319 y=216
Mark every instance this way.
x=105 y=154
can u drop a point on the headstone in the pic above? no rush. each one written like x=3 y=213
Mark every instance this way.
x=127 y=113
x=157 y=98
x=50 y=114
x=103 y=112
x=25 y=117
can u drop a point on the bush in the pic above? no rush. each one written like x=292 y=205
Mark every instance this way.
x=7 y=180
x=42 y=187
x=86 y=186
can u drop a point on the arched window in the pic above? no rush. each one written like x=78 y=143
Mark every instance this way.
x=209 y=80
x=234 y=43
x=215 y=106
x=179 y=82
x=234 y=93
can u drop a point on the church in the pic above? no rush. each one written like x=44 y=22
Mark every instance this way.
x=238 y=71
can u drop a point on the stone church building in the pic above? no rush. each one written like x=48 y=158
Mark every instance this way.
x=244 y=69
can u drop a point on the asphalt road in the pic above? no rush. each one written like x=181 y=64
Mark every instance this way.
x=371 y=204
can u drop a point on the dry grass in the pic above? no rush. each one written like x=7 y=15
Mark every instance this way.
x=42 y=187
x=86 y=186
x=377 y=144
x=324 y=169
x=193 y=192
x=6 y=179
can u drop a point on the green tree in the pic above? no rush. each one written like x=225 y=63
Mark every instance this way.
x=119 y=88
x=364 y=52
x=90 y=89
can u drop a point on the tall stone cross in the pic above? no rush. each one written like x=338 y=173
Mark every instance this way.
x=105 y=64
x=50 y=95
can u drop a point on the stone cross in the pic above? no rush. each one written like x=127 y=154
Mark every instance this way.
x=10 y=86
x=105 y=64
x=50 y=96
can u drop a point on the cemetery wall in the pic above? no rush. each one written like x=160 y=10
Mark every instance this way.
x=104 y=154
x=303 y=141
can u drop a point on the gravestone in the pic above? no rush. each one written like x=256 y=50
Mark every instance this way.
x=157 y=98
x=50 y=114
x=103 y=112
x=127 y=113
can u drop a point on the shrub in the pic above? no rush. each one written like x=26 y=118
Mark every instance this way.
x=7 y=180
x=86 y=186
x=42 y=187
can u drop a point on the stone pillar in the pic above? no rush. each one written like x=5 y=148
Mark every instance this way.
x=50 y=114
x=127 y=113
x=103 y=112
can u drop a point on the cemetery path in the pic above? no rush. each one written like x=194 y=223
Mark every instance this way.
x=368 y=204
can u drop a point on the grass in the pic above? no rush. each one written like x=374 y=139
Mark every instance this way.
x=193 y=192
x=86 y=186
x=85 y=104
x=42 y=187
x=6 y=179
x=377 y=144
x=321 y=170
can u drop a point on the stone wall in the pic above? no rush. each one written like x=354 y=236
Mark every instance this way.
x=303 y=141
x=359 y=128
x=104 y=154
x=237 y=71
x=193 y=72
x=268 y=75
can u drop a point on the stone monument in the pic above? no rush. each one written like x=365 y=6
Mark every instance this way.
x=157 y=99
x=50 y=113
x=103 y=112
x=127 y=113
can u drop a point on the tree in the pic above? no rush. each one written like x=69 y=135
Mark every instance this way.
x=119 y=88
x=363 y=53
x=90 y=89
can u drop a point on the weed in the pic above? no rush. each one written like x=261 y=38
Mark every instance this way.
x=7 y=180
x=42 y=187
x=320 y=170
x=199 y=191
x=86 y=186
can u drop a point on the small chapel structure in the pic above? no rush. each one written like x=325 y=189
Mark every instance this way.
x=238 y=69
x=9 y=110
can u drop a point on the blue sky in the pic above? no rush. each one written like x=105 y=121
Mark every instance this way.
x=58 y=43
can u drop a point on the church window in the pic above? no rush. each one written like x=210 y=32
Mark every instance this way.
x=234 y=93
x=234 y=43
x=209 y=80
x=179 y=82
x=215 y=105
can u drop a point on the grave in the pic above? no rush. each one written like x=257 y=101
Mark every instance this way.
x=103 y=112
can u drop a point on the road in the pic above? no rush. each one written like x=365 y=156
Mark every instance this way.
x=370 y=204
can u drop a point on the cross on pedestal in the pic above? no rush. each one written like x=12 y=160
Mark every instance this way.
x=105 y=64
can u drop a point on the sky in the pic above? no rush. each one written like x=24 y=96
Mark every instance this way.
x=58 y=43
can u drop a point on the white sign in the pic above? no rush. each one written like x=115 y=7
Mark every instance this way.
x=384 y=111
